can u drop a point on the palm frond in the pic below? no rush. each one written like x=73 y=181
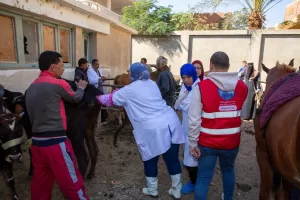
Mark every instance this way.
x=249 y=4
x=272 y=1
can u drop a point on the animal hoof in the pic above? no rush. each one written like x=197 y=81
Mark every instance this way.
x=90 y=176
x=14 y=196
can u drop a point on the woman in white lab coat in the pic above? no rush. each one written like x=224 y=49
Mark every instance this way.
x=190 y=80
x=157 y=129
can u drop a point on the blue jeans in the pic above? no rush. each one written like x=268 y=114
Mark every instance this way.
x=171 y=160
x=206 y=168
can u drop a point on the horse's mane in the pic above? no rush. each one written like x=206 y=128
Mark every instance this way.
x=287 y=68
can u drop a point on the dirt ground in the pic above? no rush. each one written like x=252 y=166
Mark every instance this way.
x=119 y=171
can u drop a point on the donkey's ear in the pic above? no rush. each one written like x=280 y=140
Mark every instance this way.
x=277 y=64
x=291 y=63
x=265 y=68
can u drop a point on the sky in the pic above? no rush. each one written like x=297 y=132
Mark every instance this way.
x=273 y=16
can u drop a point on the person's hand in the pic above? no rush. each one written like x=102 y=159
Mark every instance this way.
x=195 y=152
x=81 y=84
x=102 y=78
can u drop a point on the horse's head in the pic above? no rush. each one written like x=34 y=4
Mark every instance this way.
x=277 y=72
x=11 y=137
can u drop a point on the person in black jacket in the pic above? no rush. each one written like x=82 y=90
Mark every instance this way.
x=166 y=82
x=81 y=70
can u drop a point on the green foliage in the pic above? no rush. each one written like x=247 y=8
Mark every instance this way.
x=183 y=21
x=236 y=21
x=257 y=8
x=148 y=18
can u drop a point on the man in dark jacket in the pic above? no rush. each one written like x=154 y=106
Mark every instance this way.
x=81 y=70
x=166 y=82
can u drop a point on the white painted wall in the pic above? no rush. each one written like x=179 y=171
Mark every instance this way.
x=19 y=80
x=237 y=48
x=265 y=46
x=61 y=13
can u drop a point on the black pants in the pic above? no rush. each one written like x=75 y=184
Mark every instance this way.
x=193 y=171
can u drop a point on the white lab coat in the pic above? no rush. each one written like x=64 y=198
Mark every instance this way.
x=182 y=104
x=155 y=124
x=94 y=77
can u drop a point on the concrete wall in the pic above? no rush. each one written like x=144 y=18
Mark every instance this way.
x=151 y=48
x=114 y=51
x=265 y=46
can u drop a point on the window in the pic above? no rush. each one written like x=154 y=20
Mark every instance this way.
x=64 y=44
x=23 y=39
x=85 y=46
x=49 y=38
x=30 y=39
x=7 y=39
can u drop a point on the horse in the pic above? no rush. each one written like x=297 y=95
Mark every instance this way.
x=81 y=120
x=278 y=136
x=11 y=138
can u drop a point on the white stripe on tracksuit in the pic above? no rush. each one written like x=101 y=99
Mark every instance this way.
x=71 y=168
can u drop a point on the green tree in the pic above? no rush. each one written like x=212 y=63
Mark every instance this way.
x=257 y=9
x=183 y=21
x=238 y=20
x=148 y=18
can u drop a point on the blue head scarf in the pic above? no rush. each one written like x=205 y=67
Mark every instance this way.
x=189 y=70
x=139 y=71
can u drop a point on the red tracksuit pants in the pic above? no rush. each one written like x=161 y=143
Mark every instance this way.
x=56 y=162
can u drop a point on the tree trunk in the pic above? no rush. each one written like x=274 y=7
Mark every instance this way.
x=255 y=20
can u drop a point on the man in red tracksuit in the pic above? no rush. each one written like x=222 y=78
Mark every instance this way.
x=52 y=154
x=215 y=125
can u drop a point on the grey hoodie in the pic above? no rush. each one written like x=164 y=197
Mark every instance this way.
x=225 y=81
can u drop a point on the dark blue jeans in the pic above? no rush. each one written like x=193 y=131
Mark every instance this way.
x=206 y=167
x=171 y=160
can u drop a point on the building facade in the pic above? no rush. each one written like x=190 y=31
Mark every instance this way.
x=75 y=28
x=292 y=10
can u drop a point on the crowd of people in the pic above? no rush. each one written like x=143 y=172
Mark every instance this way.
x=210 y=128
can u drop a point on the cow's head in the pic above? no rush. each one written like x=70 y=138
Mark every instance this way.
x=11 y=137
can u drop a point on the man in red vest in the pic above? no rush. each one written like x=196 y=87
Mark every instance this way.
x=215 y=125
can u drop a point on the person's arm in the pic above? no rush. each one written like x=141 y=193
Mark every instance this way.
x=68 y=94
x=116 y=98
x=194 y=114
x=164 y=84
x=93 y=77
x=180 y=103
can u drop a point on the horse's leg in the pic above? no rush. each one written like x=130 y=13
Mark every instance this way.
x=81 y=155
x=285 y=191
x=9 y=179
x=266 y=172
x=119 y=129
x=90 y=139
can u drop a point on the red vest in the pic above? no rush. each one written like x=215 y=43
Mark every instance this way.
x=221 y=121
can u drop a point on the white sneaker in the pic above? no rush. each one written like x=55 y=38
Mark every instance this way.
x=151 y=189
x=175 y=191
